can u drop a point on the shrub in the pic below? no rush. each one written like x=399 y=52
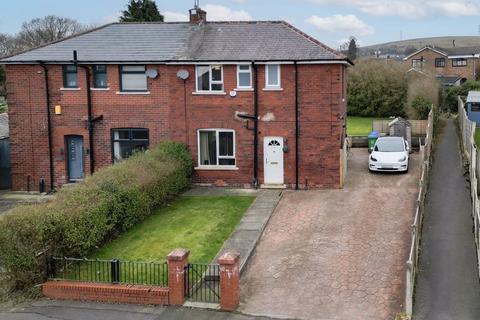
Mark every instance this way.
x=83 y=217
x=421 y=107
x=377 y=88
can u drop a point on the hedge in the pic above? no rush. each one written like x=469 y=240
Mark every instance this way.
x=83 y=217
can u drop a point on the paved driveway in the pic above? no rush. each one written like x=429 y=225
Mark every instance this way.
x=336 y=254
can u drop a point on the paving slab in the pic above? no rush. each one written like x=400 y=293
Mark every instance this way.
x=10 y=199
x=336 y=254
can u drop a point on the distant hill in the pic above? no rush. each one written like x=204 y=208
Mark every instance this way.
x=406 y=47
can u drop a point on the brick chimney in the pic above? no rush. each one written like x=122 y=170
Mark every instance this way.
x=197 y=15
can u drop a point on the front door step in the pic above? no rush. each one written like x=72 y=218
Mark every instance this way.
x=273 y=186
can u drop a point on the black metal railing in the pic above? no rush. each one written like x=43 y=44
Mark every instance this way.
x=109 y=271
x=202 y=282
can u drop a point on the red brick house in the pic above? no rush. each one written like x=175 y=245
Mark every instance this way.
x=257 y=103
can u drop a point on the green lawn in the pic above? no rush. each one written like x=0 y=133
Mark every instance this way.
x=477 y=137
x=359 y=126
x=200 y=224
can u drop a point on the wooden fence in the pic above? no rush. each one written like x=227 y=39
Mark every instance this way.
x=419 y=127
x=470 y=151
x=412 y=263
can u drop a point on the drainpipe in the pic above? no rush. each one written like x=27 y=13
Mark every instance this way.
x=296 y=125
x=255 y=125
x=90 y=120
x=49 y=124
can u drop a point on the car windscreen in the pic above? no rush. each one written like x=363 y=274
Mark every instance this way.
x=390 y=145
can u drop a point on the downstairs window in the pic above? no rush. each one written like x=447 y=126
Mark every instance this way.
x=216 y=147
x=126 y=142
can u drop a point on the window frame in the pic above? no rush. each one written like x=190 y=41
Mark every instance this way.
x=279 y=75
x=249 y=71
x=65 y=72
x=121 y=72
x=130 y=129
x=439 y=65
x=415 y=61
x=210 y=81
x=217 y=143
x=96 y=72
x=456 y=60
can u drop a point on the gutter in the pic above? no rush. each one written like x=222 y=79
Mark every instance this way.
x=49 y=125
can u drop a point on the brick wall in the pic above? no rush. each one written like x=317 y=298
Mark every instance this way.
x=429 y=56
x=68 y=290
x=168 y=115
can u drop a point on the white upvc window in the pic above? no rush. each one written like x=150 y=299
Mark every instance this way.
x=209 y=78
x=272 y=76
x=244 y=76
x=216 y=148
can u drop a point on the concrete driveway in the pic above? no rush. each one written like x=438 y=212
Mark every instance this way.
x=336 y=254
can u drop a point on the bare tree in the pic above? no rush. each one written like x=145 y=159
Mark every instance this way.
x=44 y=30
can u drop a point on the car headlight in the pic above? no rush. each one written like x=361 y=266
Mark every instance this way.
x=402 y=159
x=373 y=159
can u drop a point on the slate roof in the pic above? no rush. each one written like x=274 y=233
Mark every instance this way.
x=183 y=41
x=4 y=132
x=460 y=51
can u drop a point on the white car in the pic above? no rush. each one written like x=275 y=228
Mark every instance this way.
x=389 y=154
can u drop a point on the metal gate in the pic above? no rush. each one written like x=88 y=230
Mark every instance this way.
x=202 y=282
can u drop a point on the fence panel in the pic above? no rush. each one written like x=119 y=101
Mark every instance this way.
x=470 y=152
x=412 y=262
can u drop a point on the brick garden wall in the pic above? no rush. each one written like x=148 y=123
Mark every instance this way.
x=168 y=115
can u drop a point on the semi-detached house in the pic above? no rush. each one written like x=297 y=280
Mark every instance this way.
x=257 y=103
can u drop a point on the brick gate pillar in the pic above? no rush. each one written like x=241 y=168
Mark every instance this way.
x=229 y=281
x=177 y=260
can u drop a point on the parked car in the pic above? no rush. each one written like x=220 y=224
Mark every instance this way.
x=389 y=154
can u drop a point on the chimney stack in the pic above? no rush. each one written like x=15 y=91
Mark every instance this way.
x=197 y=15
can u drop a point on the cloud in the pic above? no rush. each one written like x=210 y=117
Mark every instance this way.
x=171 y=16
x=347 y=24
x=409 y=9
x=216 y=12
x=455 y=8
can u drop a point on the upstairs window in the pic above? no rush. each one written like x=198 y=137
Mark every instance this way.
x=70 y=76
x=272 y=76
x=244 y=76
x=216 y=147
x=417 y=63
x=133 y=78
x=440 y=63
x=126 y=142
x=100 y=76
x=459 y=62
x=209 y=78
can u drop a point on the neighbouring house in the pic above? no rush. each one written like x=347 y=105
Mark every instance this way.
x=257 y=103
x=472 y=106
x=452 y=66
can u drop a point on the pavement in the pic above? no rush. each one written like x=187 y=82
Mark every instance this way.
x=447 y=285
x=45 y=309
x=336 y=254
x=10 y=199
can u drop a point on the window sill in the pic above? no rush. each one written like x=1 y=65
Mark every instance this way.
x=273 y=89
x=100 y=89
x=70 y=89
x=243 y=89
x=134 y=92
x=209 y=93
x=216 y=168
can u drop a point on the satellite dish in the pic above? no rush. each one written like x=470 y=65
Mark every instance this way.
x=152 y=73
x=183 y=74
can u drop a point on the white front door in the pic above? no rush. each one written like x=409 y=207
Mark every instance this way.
x=273 y=160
